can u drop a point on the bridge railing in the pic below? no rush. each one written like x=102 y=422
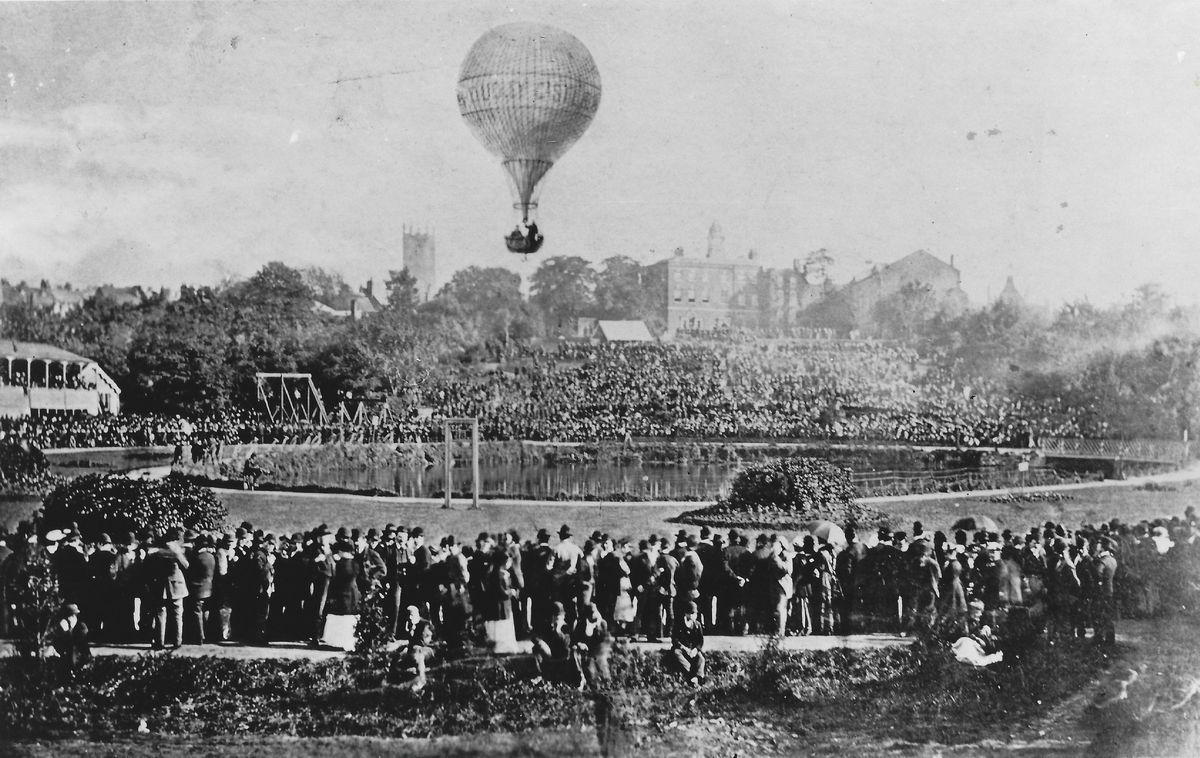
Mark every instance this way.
x=1145 y=450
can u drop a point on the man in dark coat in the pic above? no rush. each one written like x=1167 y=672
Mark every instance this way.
x=102 y=571
x=319 y=563
x=643 y=585
x=1105 y=571
x=396 y=559
x=166 y=587
x=882 y=568
x=510 y=543
x=610 y=571
x=758 y=586
x=665 y=569
x=687 y=644
x=848 y=572
x=254 y=584
x=539 y=583
x=688 y=577
x=371 y=568
x=202 y=566
x=72 y=569
x=731 y=600
x=712 y=557
x=423 y=587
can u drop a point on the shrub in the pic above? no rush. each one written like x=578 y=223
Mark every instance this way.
x=114 y=504
x=787 y=493
x=34 y=597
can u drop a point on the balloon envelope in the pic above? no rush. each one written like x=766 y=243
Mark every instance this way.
x=528 y=92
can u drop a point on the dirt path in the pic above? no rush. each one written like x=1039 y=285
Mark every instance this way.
x=298 y=651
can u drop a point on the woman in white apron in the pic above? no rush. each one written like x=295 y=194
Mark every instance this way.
x=341 y=608
x=497 y=610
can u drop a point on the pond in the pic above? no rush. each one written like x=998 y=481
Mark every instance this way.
x=544 y=477
x=539 y=482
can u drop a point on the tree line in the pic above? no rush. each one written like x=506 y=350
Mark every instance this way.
x=1137 y=361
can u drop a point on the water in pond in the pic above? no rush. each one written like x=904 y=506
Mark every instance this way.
x=579 y=481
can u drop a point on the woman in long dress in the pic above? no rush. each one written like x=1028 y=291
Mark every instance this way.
x=341 y=608
x=497 y=611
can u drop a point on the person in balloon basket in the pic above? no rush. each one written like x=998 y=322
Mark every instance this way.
x=687 y=645
x=167 y=587
x=533 y=239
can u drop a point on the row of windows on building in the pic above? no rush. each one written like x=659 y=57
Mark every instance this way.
x=743 y=299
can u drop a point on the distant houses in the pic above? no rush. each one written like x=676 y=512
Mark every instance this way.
x=61 y=300
x=349 y=304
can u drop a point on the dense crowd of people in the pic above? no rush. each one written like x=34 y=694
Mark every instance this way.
x=859 y=391
x=572 y=597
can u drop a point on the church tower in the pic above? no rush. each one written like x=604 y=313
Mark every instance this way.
x=420 y=258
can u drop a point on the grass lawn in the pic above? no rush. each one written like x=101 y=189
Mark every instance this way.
x=290 y=512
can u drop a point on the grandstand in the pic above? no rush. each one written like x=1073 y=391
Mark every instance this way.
x=38 y=378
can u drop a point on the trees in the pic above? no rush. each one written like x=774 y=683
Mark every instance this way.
x=401 y=287
x=904 y=313
x=490 y=298
x=483 y=291
x=563 y=288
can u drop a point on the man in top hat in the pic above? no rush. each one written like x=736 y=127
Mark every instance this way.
x=393 y=549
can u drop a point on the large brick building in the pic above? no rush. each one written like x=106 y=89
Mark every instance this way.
x=720 y=290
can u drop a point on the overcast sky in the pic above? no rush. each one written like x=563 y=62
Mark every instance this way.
x=160 y=143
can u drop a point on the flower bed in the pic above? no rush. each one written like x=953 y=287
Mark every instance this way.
x=786 y=494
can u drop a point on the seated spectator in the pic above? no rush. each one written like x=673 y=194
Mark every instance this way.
x=69 y=637
x=412 y=664
x=687 y=644
x=590 y=646
x=552 y=648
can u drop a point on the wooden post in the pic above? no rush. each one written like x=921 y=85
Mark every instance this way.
x=448 y=461
x=475 y=463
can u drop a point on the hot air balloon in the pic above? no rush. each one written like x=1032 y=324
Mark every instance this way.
x=528 y=92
